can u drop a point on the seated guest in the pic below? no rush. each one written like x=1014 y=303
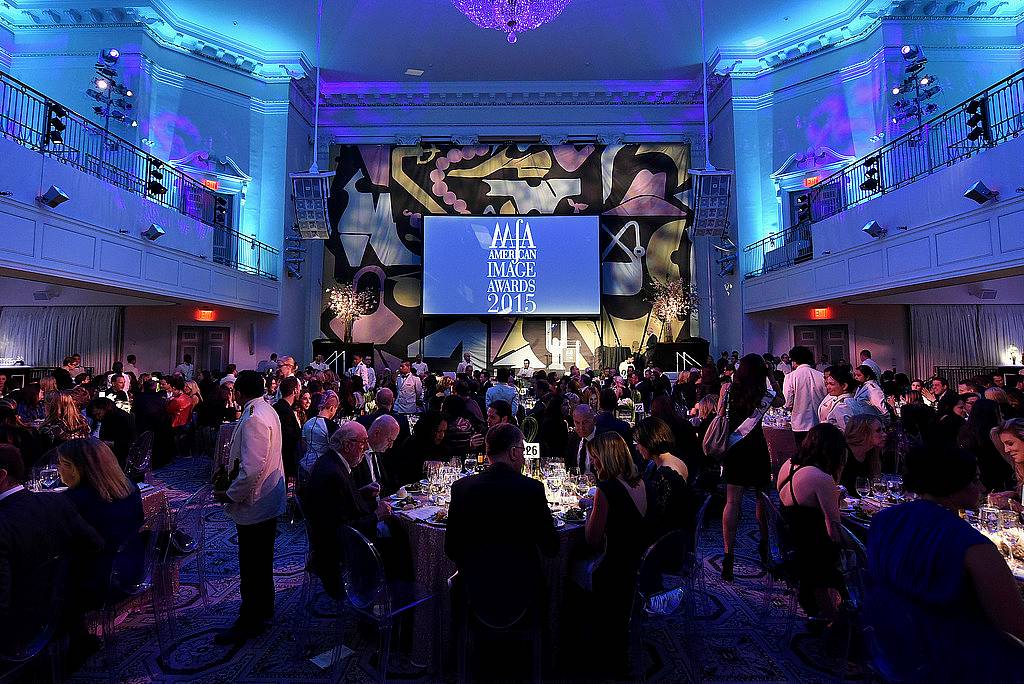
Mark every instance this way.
x=33 y=529
x=14 y=432
x=498 y=413
x=950 y=410
x=673 y=504
x=499 y=524
x=686 y=448
x=317 y=431
x=584 y=431
x=869 y=392
x=291 y=428
x=976 y=437
x=425 y=444
x=839 y=404
x=707 y=409
x=619 y=523
x=107 y=500
x=866 y=438
x=331 y=500
x=1011 y=438
x=64 y=420
x=943 y=598
x=553 y=434
x=114 y=426
x=117 y=392
x=31 y=406
x=607 y=421
x=456 y=439
x=375 y=467
x=385 y=399
x=810 y=507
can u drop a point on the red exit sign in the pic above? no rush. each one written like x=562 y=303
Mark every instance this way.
x=215 y=185
x=811 y=180
x=823 y=313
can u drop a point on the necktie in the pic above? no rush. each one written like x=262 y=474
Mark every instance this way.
x=371 y=459
x=581 y=459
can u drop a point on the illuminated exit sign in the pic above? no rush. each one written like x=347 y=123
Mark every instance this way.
x=821 y=314
x=811 y=181
x=215 y=185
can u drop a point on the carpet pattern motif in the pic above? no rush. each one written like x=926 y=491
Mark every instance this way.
x=745 y=633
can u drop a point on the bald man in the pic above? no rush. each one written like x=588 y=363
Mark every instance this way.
x=331 y=499
x=385 y=399
x=374 y=469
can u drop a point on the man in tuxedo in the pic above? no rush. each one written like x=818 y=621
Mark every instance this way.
x=606 y=421
x=33 y=529
x=499 y=524
x=112 y=425
x=584 y=431
x=291 y=431
x=331 y=500
x=374 y=468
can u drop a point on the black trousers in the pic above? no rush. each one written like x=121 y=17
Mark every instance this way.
x=256 y=571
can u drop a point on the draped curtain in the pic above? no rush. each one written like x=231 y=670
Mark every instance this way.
x=44 y=335
x=964 y=335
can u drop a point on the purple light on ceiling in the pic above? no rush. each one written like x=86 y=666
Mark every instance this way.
x=510 y=16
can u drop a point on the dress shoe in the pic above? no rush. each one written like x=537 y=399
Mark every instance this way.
x=239 y=633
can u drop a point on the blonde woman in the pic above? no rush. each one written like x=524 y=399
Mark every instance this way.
x=1011 y=438
x=64 y=420
x=866 y=438
x=48 y=385
x=192 y=392
x=619 y=522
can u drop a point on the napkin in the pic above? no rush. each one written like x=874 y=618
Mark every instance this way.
x=421 y=513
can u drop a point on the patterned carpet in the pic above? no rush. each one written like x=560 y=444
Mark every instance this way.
x=744 y=632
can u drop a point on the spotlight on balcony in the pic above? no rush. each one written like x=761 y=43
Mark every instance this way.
x=910 y=52
x=110 y=56
x=53 y=197
x=874 y=229
x=981 y=193
x=154 y=232
x=154 y=186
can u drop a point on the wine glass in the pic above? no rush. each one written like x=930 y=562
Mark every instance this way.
x=879 y=488
x=49 y=477
x=863 y=486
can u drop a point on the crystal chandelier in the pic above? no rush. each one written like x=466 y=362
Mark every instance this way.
x=510 y=16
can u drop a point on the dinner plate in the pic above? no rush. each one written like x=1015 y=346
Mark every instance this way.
x=579 y=521
x=407 y=507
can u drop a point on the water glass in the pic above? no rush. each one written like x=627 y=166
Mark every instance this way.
x=49 y=477
x=863 y=486
x=989 y=518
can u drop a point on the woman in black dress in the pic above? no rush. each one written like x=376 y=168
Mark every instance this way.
x=747 y=463
x=810 y=507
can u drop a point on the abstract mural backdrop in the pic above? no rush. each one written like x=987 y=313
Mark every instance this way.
x=381 y=193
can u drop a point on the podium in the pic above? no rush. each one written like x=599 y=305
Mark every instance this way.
x=673 y=356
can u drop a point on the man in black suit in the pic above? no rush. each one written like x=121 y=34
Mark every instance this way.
x=291 y=431
x=116 y=427
x=385 y=399
x=498 y=525
x=375 y=467
x=606 y=421
x=331 y=500
x=34 y=528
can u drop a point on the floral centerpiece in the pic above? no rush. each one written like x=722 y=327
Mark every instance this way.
x=347 y=304
x=673 y=300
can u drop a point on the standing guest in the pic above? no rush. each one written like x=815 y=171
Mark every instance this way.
x=804 y=390
x=840 y=405
x=976 y=437
x=359 y=369
x=165 y=387
x=267 y=365
x=179 y=408
x=607 y=421
x=130 y=366
x=810 y=507
x=150 y=411
x=869 y=392
x=865 y=437
x=64 y=420
x=113 y=426
x=420 y=367
x=465 y=366
x=553 y=433
x=291 y=428
x=584 y=431
x=253 y=501
x=66 y=373
x=285 y=369
x=942 y=597
x=117 y=392
x=785 y=366
x=186 y=367
x=34 y=528
x=318 y=363
x=504 y=389
x=31 y=406
x=866 y=360
x=746 y=463
x=317 y=430
x=950 y=410
x=619 y=523
x=939 y=386
x=370 y=383
x=409 y=389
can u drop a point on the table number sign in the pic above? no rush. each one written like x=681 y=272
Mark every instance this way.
x=531 y=450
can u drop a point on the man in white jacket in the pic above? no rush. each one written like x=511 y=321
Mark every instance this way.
x=254 y=500
x=804 y=390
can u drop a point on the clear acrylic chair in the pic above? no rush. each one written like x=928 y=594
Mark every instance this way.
x=140 y=455
x=370 y=594
x=780 y=566
x=530 y=428
x=35 y=631
x=138 y=568
x=189 y=535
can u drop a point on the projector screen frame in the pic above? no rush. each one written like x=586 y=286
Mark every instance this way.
x=599 y=316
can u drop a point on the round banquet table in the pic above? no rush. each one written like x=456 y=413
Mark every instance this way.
x=781 y=446
x=432 y=569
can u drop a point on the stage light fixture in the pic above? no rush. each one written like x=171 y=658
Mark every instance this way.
x=978 y=121
x=981 y=193
x=110 y=56
x=874 y=229
x=135 y=124
x=803 y=208
x=129 y=93
x=53 y=197
x=220 y=211
x=896 y=90
x=910 y=52
x=154 y=186
x=101 y=83
x=872 y=179
x=55 y=126
x=154 y=232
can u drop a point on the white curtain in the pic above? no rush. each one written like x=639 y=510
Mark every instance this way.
x=963 y=335
x=44 y=335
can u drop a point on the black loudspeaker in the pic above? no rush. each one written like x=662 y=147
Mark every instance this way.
x=611 y=357
x=664 y=354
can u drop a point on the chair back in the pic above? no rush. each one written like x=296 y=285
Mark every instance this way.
x=780 y=544
x=25 y=631
x=507 y=592
x=530 y=428
x=140 y=455
x=134 y=564
x=188 y=525
x=362 y=574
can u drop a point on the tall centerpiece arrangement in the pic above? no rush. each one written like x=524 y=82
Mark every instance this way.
x=673 y=300
x=348 y=304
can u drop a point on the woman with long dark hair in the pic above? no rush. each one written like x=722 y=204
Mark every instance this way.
x=747 y=463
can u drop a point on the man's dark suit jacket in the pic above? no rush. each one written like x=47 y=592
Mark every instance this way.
x=330 y=500
x=385 y=460
x=33 y=529
x=119 y=427
x=403 y=424
x=291 y=436
x=607 y=422
x=498 y=525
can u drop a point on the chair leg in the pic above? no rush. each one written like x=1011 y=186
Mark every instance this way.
x=385 y=650
x=535 y=642
x=204 y=593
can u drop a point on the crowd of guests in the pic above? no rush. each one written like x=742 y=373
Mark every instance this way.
x=344 y=441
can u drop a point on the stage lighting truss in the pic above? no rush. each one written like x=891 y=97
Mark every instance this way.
x=155 y=185
x=911 y=97
x=112 y=96
x=713 y=190
x=979 y=121
x=55 y=126
x=803 y=208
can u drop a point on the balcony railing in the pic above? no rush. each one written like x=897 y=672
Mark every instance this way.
x=989 y=118
x=778 y=250
x=25 y=116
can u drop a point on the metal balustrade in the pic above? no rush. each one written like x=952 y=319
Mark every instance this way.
x=984 y=120
x=25 y=116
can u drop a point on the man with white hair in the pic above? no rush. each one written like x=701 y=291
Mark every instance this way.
x=382 y=435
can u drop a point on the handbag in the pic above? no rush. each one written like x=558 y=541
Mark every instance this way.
x=719 y=438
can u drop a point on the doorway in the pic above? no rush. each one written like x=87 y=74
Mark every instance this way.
x=209 y=346
x=831 y=341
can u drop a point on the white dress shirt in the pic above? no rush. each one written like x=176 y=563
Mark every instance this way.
x=420 y=368
x=582 y=457
x=804 y=390
x=187 y=370
x=786 y=368
x=258 y=493
x=410 y=391
x=839 y=410
x=465 y=367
